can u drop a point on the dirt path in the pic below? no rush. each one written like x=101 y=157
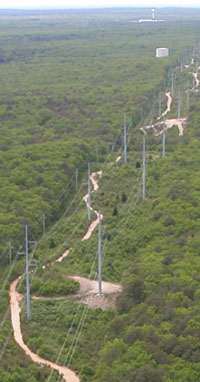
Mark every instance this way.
x=169 y=103
x=169 y=123
x=94 y=177
x=87 y=287
x=15 y=299
x=195 y=75
x=118 y=159
x=59 y=260
x=153 y=126
x=179 y=122
x=88 y=290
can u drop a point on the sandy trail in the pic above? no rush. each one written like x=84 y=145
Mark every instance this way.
x=95 y=223
x=179 y=122
x=86 y=287
x=195 y=75
x=15 y=299
x=59 y=260
x=118 y=159
x=94 y=177
x=169 y=103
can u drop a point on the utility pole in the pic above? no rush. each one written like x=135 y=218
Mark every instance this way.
x=188 y=96
x=44 y=223
x=10 y=253
x=144 y=169
x=28 y=305
x=109 y=147
x=141 y=114
x=76 y=179
x=97 y=153
x=27 y=242
x=159 y=104
x=99 y=258
x=172 y=85
x=181 y=65
x=89 y=193
x=131 y=121
x=179 y=104
x=193 y=83
x=125 y=142
x=164 y=138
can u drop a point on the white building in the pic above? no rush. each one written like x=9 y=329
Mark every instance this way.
x=162 y=52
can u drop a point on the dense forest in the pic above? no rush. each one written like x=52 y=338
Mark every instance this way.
x=68 y=78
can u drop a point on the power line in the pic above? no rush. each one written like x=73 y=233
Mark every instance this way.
x=28 y=304
x=159 y=104
x=44 y=224
x=188 y=96
x=76 y=179
x=125 y=140
x=99 y=256
x=52 y=231
x=78 y=335
x=9 y=274
x=5 y=345
x=172 y=84
x=27 y=263
x=164 y=139
x=179 y=103
x=89 y=193
x=144 y=168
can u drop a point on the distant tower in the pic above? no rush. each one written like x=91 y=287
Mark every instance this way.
x=153 y=13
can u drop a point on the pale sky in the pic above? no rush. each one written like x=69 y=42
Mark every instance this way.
x=45 y=4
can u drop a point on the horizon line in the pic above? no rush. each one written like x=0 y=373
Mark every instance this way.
x=52 y=8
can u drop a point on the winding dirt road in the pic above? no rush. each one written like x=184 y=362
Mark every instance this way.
x=86 y=287
x=94 y=177
x=15 y=299
x=169 y=123
x=179 y=122
x=169 y=103
x=195 y=75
